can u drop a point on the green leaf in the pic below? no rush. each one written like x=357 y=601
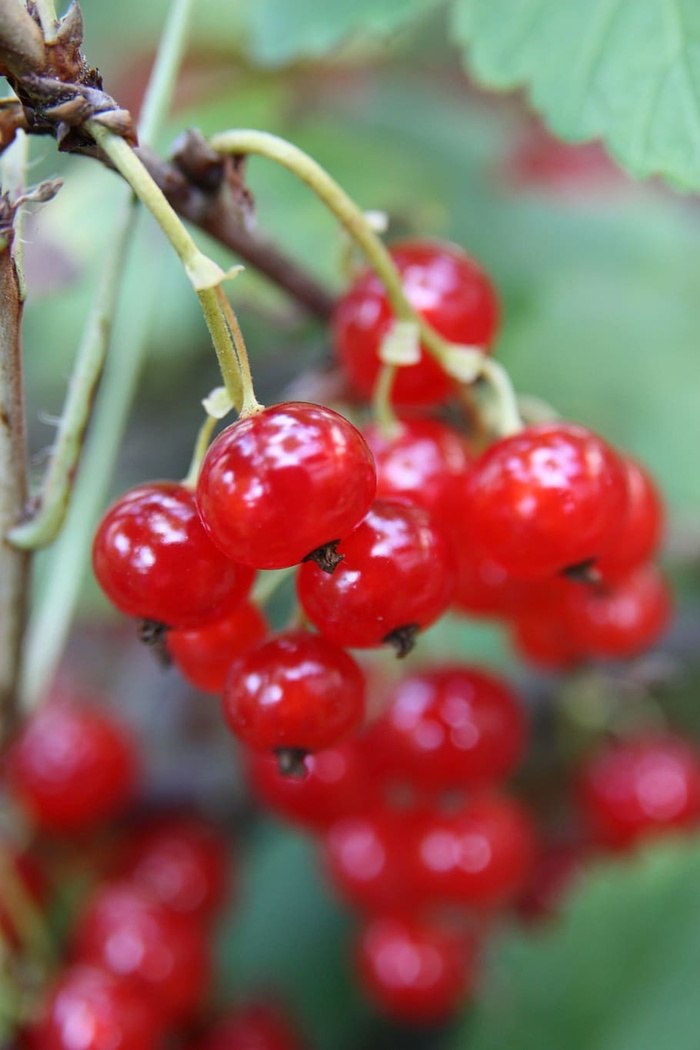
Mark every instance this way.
x=627 y=71
x=281 y=31
x=618 y=972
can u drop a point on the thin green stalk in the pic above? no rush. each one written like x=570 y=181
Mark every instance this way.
x=381 y=401
x=162 y=80
x=46 y=9
x=201 y=445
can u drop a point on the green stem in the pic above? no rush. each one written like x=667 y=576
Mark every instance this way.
x=268 y=583
x=204 y=274
x=46 y=9
x=162 y=80
x=44 y=526
x=200 y=449
x=387 y=419
x=24 y=915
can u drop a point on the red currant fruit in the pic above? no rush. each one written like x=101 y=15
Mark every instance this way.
x=449 y=727
x=446 y=287
x=153 y=559
x=204 y=654
x=425 y=462
x=547 y=499
x=255 y=1027
x=132 y=935
x=337 y=784
x=395 y=578
x=71 y=767
x=295 y=692
x=639 y=533
x=639 y=788
x=621 y=620
x=181 y=861
x=415 y=972
x=276 y=486
x=480 y=856
x=90 y=1009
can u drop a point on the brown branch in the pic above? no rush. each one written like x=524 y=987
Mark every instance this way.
x=14 y=564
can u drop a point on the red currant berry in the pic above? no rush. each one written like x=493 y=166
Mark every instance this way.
x=639 y=788
x=90 y=1009
x=483 y=587
x=367 y=859
x=296 y=691
x=71 y=767
x=337 y=784
x=640 y=530
x=415 y=972
x=446 y=287
x=181 y=861
x=553 y=877
x=547 y=499
x=153 y=559
x=256 y=1027
x=425 y=462
x=479 y=856
x=449 y=727
x=621 y=620
x=132 y=935
x=204 y=654
x=276 y=486
x=544 y=640
x=395 y=575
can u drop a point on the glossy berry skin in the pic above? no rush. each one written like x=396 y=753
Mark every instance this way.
x=153 y=559
x=72 y=767
x=279 y=484
x=396 y=570
x=181 y=862
x=337 y=784
x=480 y=855
x=425 y=462
x=448 y=728
x=90 y=1009
x=639 y=534
x=127 y=932
x=640 y=788
x=204 y=654
x=415 y=972
x=367 y=858
x=546 y=499
x=254 y=1027
x=446 y=287
x=621 y=620
x=297 y=690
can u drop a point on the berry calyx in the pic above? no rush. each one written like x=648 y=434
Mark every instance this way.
x=276 y=486
x=446 y=287
x=71 y=767
x=153 y=559
x=297 y=691
x=395 y=578
x=546 y=500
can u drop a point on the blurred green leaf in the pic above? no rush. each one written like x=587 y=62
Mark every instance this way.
x=624 y=70
x=618 y=971
x=281 y=31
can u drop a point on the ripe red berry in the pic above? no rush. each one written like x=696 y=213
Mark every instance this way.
x=546 y=499
x=337 y=784
x=480 y=855
x=425 y=462
x=446 y=287
x=153 y=559
x=640 y=529
x=395 y=575
x=621 y=620
x=415 y=972
x=181 y=861
x=296 y=691
x=132 y=935
x=256 y=1027
x=72 y=766
x=449 y=727
x=205 y=654
x=640 y=788
x=90 y=1009
x=279 y=484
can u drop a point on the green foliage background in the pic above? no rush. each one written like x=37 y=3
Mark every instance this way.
x=600 y=317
